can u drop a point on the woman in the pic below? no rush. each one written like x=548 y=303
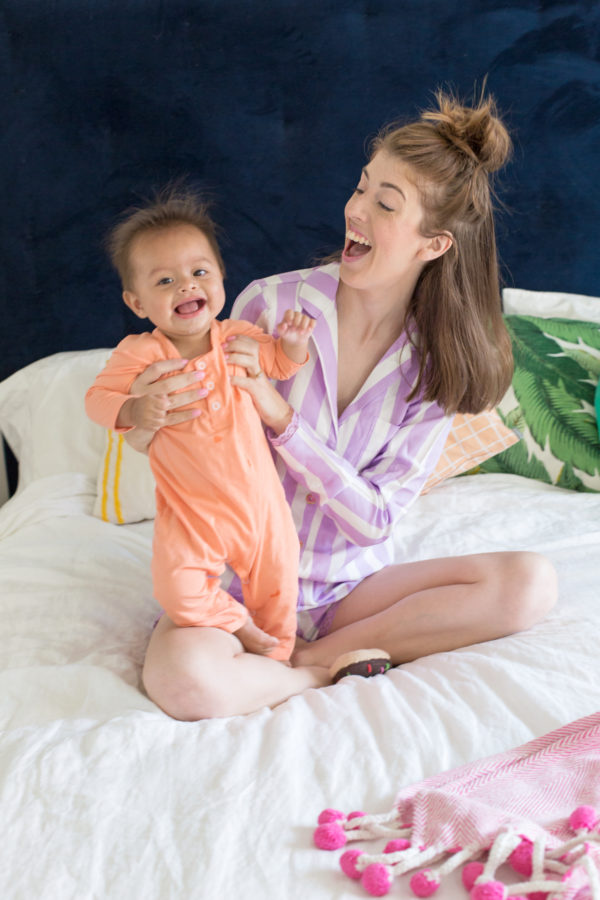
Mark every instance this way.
x=408 y=332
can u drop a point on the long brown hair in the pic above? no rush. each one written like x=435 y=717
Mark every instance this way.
x=455 y=315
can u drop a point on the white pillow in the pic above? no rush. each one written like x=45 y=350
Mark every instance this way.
x=549 y=304
x=125 y=484
x=43 y=418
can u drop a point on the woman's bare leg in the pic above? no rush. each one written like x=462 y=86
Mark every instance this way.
x=414 y=609
x=198 y=673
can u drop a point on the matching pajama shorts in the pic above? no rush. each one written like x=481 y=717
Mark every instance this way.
x=313 y=622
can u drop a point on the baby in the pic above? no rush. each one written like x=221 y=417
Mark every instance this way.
x=219 y=499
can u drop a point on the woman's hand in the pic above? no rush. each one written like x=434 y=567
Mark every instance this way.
x=150 y=383
x=154 y=402
x=275 y=412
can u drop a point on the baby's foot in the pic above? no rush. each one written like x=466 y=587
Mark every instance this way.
x=254 y=639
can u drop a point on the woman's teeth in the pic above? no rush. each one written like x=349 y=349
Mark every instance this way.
x=357 y=238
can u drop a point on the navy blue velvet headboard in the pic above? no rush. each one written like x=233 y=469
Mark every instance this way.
x=267 y=104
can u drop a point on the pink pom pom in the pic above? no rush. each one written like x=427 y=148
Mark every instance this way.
x=471 y=873
x=356 y=815
x=376 y=879
x=348 y=863
x=489 y=890
x=329 y=836
x=584 y=817
x=424 y=884
x=396 y=845
x=521 y=858
x=330 y=815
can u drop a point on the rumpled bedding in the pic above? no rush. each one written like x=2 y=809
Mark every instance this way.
x=104 y=796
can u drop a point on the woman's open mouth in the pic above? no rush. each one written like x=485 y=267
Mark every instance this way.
x=356 y=245
x=190 y=307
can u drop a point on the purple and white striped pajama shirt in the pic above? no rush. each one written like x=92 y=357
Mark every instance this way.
x=347 y=479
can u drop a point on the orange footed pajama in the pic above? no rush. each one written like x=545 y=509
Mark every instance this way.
x=219 y=498
x=264 y=554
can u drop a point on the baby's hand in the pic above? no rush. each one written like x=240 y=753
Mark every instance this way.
x=148 y=413
x=296 y=327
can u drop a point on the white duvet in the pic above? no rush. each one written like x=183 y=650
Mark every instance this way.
x=103 y=796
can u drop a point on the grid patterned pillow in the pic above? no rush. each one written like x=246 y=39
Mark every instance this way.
x=471 y=440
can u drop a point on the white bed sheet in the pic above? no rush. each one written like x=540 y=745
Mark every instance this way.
x=103 y=796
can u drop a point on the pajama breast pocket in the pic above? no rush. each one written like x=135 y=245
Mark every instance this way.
x=362 y=437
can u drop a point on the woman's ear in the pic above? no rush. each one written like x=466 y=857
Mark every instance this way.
x=436 y=246
x=133 y=302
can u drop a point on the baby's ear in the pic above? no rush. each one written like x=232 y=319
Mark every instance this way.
x=133 y=302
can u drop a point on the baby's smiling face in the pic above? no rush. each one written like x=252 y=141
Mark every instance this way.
x=176 y=282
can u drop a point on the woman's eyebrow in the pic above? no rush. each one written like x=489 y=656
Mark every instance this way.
x=386 y=184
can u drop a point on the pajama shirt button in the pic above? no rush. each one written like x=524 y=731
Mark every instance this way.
x=201 y=365
x=310 y=498
x=210 y=385
x=216 y=405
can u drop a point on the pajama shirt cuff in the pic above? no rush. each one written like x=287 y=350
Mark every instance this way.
x=278 y=439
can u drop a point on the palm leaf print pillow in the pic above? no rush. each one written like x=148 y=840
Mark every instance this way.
x=551 y=403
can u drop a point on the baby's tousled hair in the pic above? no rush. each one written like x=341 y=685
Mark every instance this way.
x=171 y=206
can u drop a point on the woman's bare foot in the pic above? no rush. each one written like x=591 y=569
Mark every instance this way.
x=299 y=646
x=308 y=653
x=255 y=640
x=319 y=675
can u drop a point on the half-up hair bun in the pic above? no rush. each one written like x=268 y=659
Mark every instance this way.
x=476 y=131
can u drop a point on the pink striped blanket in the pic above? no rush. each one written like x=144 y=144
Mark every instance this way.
x=536 y=807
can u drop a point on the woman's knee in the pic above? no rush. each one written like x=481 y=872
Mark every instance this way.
x=183 y=679
x=178 y=695
x=527 y=588
x=179 y=692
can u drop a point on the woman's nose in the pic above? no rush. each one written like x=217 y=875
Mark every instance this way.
x=355 y=207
